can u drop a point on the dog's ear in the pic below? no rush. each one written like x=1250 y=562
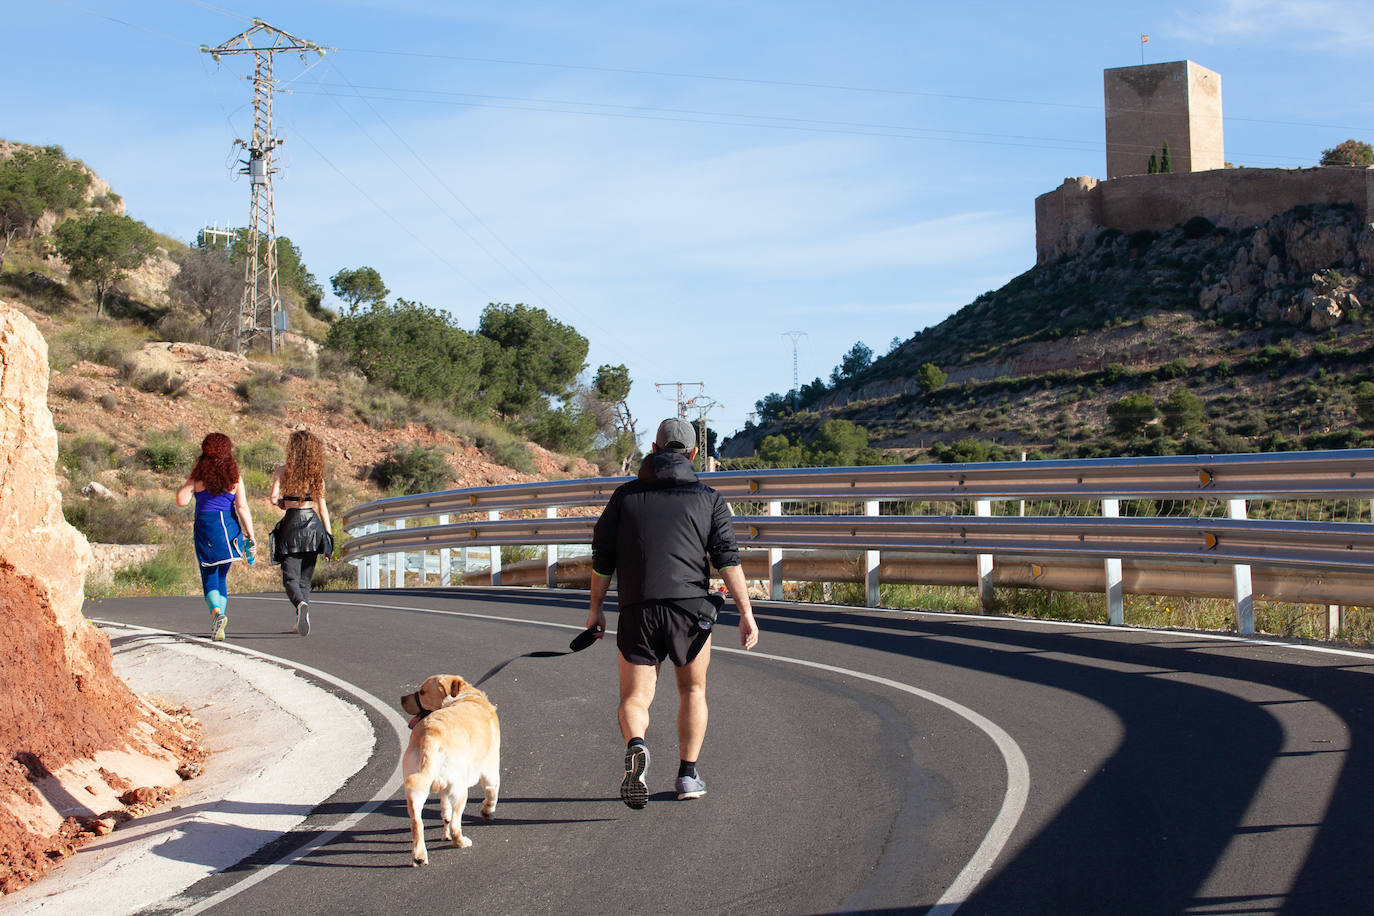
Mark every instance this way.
x=455 y=686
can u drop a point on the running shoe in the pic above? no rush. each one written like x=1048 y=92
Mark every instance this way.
x=303 y=619
x=634 y=791
x=690 y=787
x=218 y=626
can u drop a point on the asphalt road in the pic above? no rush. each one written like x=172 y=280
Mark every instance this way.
x=857 y=761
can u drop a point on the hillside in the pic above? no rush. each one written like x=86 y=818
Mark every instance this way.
x=130 y=415
x=133 y=391
x=1219 y=341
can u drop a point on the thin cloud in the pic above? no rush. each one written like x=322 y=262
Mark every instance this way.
x=1319 y=25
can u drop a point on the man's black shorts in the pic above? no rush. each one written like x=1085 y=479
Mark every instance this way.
x=649 y=633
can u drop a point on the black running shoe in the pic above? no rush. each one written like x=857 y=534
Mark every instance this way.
x=634 y=791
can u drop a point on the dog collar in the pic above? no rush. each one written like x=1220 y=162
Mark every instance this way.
x=423 y=713
x=418 y=705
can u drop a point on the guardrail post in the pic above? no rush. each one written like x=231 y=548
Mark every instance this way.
x=398 y=562
x=462 y=576
x=871 y=562
x=445 y=561
x=1245 y=595
x=362 y=573
x=983 y=509
x=551 y=554
x=775 y=557
x=1116 y=604
x=374 y=562
x=1335 y=620
x=494 y=551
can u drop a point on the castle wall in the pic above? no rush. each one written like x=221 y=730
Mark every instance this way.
x=1075 y=212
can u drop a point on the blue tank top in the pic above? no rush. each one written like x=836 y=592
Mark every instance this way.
x=214 y=502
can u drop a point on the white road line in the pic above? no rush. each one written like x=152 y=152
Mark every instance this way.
x=390 y=790
x=1018 y=771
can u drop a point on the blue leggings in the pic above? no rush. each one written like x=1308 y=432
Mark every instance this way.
x=214 y=581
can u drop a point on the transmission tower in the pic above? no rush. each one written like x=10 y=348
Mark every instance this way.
x=261 y=290
x=682 y=402
x=703 y=406
x=796 y=383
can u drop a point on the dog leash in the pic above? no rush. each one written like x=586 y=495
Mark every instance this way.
x=579 y=642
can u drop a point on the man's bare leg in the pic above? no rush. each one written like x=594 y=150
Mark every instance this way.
x=692 y=712
x=637 y=683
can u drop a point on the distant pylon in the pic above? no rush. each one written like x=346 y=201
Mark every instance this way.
x=261 y=290
x=796 y=382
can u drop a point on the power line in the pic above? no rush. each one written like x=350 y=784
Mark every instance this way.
x=800 y=84
x=402 y=224
x=1086 y=144
x=1048 y=144
x=454 y=194
x=718 y=78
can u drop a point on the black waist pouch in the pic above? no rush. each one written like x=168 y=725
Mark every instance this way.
x=705 y=609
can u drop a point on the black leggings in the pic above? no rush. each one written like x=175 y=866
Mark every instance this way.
x=296 y=572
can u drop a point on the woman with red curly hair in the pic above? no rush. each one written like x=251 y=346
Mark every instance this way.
x=223 y=526
x=303 y=532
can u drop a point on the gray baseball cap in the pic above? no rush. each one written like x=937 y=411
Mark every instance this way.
x=675 y=434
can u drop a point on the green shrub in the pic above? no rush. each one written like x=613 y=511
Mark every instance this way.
x=1182 y=411
x=1364 y=401
x=167 y=450
x=166 y=573
x=114 y=521
x=262 y=392
x=255 y=481
x=265 y=456
x=73 y=391
x=413 y=469
x=89 y=454
x=1197 y=227
x=512 y=454
x=970 y=450
x=1131 y=414
x=99 y=341
x=168 y=384
x=568 y=430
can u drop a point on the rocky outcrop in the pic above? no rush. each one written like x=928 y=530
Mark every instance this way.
x=73 y=736
x=33 y=534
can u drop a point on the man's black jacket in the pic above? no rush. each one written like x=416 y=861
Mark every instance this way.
x=662 y=532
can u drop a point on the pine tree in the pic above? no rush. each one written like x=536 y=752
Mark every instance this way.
x=1164 y=165
x=1153 y=167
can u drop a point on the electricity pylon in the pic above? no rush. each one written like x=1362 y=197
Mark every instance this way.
x=796 y=336
x=261 y=290
x=682 y=402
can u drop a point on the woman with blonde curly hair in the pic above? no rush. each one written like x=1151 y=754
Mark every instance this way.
x=303 y=532
x=222 y=521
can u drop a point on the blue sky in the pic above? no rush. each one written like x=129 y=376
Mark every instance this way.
x=684 y=183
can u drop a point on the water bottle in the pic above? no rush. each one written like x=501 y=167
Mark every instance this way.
x=248 y=544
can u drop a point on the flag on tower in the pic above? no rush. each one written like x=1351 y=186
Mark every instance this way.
x=1144 y=38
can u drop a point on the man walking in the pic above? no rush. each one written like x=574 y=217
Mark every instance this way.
x=661 y=533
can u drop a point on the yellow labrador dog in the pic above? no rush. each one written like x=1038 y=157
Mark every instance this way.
x=455 y=742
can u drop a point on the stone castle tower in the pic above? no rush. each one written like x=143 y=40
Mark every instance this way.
x=1177 y=103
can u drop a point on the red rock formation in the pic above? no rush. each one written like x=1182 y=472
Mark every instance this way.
x=71 y=732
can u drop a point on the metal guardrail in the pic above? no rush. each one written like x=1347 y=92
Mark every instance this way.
x=1306 y=548
x=1330 y=545
x=1298 y=475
